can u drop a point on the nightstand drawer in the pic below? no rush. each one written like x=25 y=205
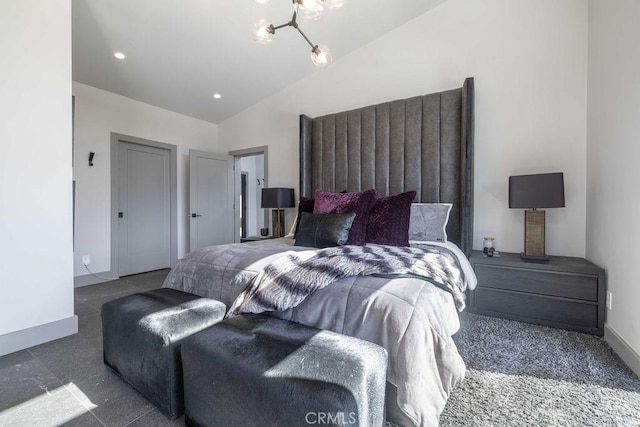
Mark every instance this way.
x=551 y=283
x=564 y=292
x=537 y=309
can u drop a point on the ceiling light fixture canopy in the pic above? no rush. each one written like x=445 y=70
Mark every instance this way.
x=263 y=31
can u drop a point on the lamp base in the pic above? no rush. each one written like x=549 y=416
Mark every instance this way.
x=534 y=257
x=534 y=233
x=277 y=219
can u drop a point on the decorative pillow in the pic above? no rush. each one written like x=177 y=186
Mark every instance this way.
x=324 y=230
x=389 y=219
x=358 y=203
x=304 y=205
x=428 y=222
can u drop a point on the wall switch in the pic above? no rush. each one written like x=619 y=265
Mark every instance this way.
x=609 y=298
x=86 y=260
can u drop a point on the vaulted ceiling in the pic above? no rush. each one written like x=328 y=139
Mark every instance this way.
x=181 y=52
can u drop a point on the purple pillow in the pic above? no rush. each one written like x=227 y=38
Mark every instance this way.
x=306 y=204
x=358 y=203
x=389 y=219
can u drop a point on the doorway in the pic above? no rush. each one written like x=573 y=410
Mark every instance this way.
x=251 y=178
x=143 y=205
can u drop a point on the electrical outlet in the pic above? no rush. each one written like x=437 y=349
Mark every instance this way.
x=86 y=260
x=609 y=298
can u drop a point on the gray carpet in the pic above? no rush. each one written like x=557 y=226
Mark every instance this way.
x=520 y=374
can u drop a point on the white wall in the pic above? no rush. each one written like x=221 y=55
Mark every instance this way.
x=98 y=113
x=613 y=199
x=529 y=61
x=36 y=276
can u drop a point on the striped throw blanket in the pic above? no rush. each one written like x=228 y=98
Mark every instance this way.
x=286 y=282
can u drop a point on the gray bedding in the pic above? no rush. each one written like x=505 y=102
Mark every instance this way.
x=410 y=317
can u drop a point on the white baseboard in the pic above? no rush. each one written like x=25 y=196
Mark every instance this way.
x=626 y=353
x=89 y=279
x=29 y=337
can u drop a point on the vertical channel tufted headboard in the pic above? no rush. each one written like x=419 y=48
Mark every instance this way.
x=424 y=143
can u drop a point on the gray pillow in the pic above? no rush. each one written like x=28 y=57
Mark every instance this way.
x=428 y=222
x=324 y=230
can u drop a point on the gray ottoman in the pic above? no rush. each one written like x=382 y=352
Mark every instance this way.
x=142 y=334
x=256 y=370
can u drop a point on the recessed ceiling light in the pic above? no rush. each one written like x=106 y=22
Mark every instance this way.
x=217 y=96
x=261 y=1
x=119 y=55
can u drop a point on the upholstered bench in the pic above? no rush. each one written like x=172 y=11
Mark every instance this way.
x=142 y=334
x=256 y=370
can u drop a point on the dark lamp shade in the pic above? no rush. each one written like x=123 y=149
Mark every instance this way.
x=536 y=191
x=277 y=198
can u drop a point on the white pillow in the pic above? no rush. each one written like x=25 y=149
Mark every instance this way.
x=428 y=222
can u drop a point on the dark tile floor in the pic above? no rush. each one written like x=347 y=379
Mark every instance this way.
x=65 y=382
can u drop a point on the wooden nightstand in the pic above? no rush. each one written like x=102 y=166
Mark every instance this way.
x=255 y=238
x=567 y=293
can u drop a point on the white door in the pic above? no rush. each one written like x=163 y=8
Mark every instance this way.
x=143 y=208
x=211 y=199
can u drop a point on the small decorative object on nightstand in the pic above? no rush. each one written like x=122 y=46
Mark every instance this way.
x=567 y=293
x=277 y=198
x=487 y=246
x=532 y=192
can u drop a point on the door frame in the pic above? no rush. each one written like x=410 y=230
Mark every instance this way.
x=237 y=155
x=116 y=138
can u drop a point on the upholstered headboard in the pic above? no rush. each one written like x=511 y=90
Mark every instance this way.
x=424 y=143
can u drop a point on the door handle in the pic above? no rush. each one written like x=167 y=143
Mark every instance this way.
x=193 y=215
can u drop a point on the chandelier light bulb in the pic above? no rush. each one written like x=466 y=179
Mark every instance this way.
x=334 y=4
x=308 y=9
x=321 y=56
x=262 y=32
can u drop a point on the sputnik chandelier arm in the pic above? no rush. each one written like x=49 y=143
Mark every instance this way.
x=308 y=9
x=294 y=23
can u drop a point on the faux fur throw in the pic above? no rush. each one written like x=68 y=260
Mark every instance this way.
x=286 y=282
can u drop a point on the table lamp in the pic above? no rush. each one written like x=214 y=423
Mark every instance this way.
x=532 y=192
x=277 y=198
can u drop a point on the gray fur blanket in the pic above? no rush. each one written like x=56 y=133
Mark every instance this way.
x=410 y=317
x=286 y=282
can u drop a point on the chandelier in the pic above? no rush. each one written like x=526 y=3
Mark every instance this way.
x=263 y=31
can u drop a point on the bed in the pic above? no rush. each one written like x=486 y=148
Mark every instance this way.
x=425 y=144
